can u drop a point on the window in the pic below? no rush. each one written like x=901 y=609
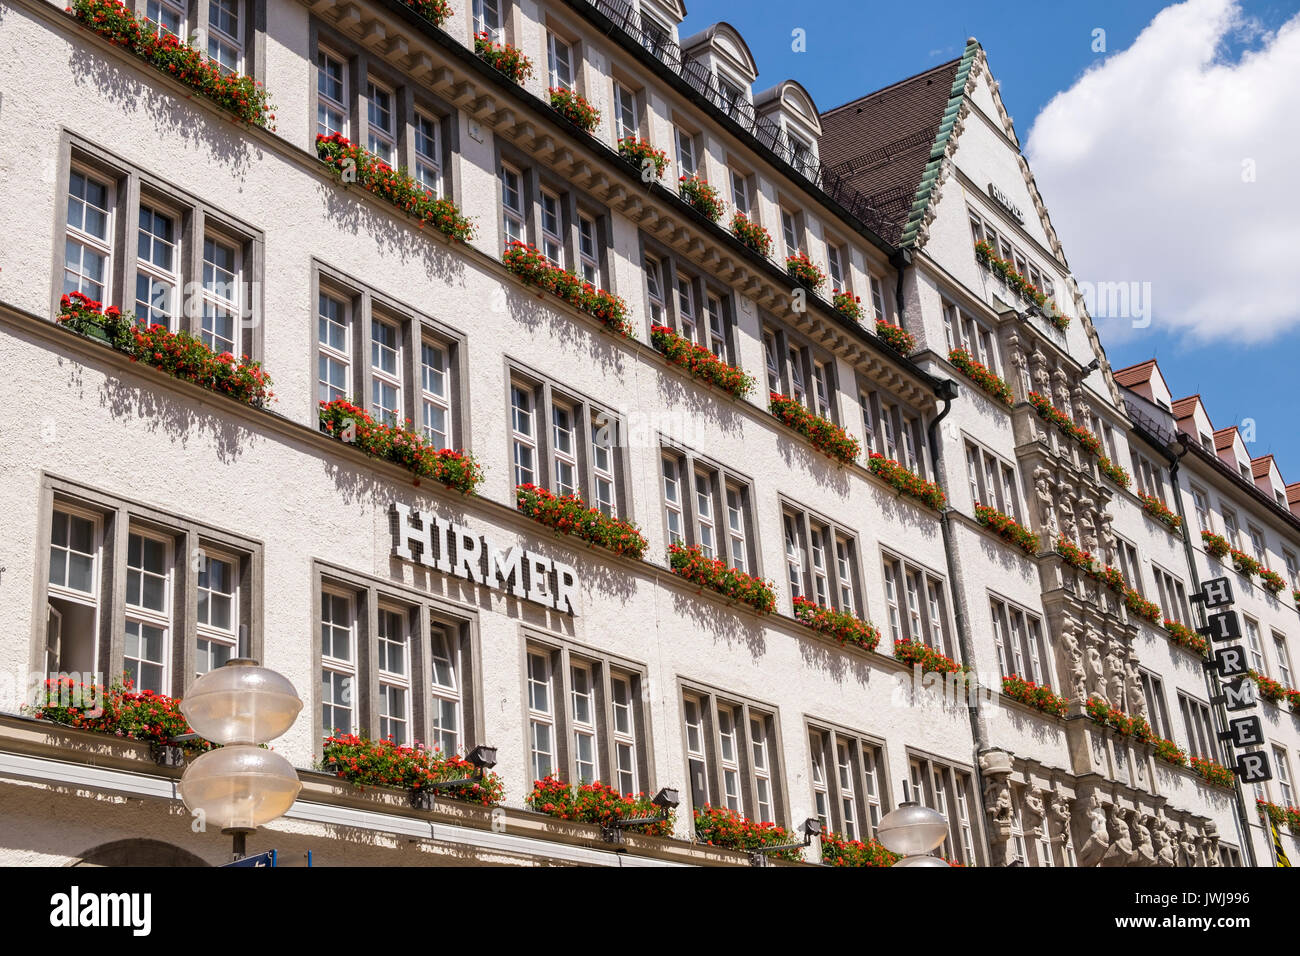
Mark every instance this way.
x=428 y=153
x=148 y=612
x=385 y=374
x=569 y=695
x=1202 y=503
x=88 y=246
x=848 y=798
x=435 y=393
x=835 y=265
x=1018 y=637
x=217 y=616
x=878 y=298
x=1283 y=659
x=1129 y=566
x=1148 y=476
x=708 y=507
x=790 y=231
x=552 y=228
x=338 y=663
x=225 y=49
x=916 y=605
x=222 y=282
x=1230 y=528
x=732 y=97
x=157 y=279
x=1292 y=568
x=573 y=452
x=394 y=677
x=685 y=152
x=1256 y=649
x=72 y=595
x=1257 y=544
x=792 y=364
x=333 y=343
x=1283 y=776
x=1172 y=595
x=588 y=250
x=1201 y=740
x=821 y=560
x=626 y=117
x=169 y=17
x=732 y=756
x=740 y=193
x=893 y=430
x=381 y=128
x=331 y=94
x=559 y=62
x=446 y=717
x=967 y=332
x=1153 y=689
x=512 y=206
x=487 y=18
x=992 y=481
x=950 y=791
x=700 y=314
x=655 y=290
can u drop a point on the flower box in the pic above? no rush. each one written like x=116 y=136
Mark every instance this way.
x=1039 y=697
x=1006 y=270
x=1135 y=727
x=914 y=653
x=896 y=337
x=503 y=58
x=1271 y=580
x=1169 y=752
x=1185 y=637
x=400 y=445
x=1116 y=473
x=848 y=305
x=241 y=95
x=751 y=234
x=1157 y=509
x=574 y=108
x=718 y=826
x=118 y=711
x=1007 y=528
x=435 y=11
x=1213 y=773
x=1269 y=689
x=700 y=362
x=643 y=156
x=1274 y=813
x=597 y=803
x=531 y=265
x=179 y=354
x=906 y=482
x=804 y=271
x=837 y=851
x=714 y=575
x=1216 y=546
x=987 y=380
x=1147 y=610
x=844 y=627
x=1244 y=563
x=350 y=163
x=1064 y=424
x=383 y=763
x=826 y=436
x=1293 y=699
x=569 y=514
x=700 y=196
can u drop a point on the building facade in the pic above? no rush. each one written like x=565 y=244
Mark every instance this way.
x=157 y=529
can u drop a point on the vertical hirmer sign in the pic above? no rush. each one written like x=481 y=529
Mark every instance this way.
x=1222 y=624
x=442 y=545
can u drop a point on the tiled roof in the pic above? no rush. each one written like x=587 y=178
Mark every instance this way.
x=1223 y=438
x=1293 y=493
x=885 y=141
x=1136 y=374
x=1260 y=467
x=1184 y=407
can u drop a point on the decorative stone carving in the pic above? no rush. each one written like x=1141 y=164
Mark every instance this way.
x=1145 y=849
x=1187 y=843
x=1109 y=543
x=1065 y=506
x=1120 y=851
x=1061 y=390
x=1137 y=700
x=1035 y=813
x=1095 y=847
x=1043 y=486
x=1096 y=675
x=1164 y=843
x=1018 y=361
x=1078 y=675
x=1059 y=810
x=1212 y=844
x=1042 y=379
x=1087 y=524
x=1114 y=675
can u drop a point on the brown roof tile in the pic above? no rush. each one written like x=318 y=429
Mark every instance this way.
x=1135 y=374
x=1224 y=436
x=1293 y=493
x=1184 y=407
x=1259 y=467
x=882 y=141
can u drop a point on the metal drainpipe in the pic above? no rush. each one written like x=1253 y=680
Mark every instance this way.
x=1212 y=685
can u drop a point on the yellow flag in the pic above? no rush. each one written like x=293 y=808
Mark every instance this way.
x=1277 y=846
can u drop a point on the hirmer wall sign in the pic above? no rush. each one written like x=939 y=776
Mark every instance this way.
x=453 y=549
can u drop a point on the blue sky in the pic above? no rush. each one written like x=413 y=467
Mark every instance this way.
x=1037 y=50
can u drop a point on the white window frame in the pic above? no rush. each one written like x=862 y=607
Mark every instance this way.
x=329 y=108
x=158 y=618
x=394 y=681
x=153 y=273
x=433 y=400
x=216 y=302
x=382 y=378
x=340 y=666
x=381 y=136
x=206 y=631
x=88 y=242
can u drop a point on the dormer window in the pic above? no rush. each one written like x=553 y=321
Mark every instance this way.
x=801 y=155
x=732 y=96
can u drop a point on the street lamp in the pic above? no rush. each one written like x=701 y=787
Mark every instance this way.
x=666 y=800
x=913 y=832
x=240 y=786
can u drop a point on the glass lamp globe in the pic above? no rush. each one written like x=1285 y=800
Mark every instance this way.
x=241 y=703
x=921 y=861
x=240 y=787
x=912 y=830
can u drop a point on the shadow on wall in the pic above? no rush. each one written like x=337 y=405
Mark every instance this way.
x=701 y=405
x=840 y=666
x=138 y=851
x=220 y=140
x=823 y=472
x=534 y=312
x=917 y=518
x=348 y=208
x=177 y=420
x=722 y=624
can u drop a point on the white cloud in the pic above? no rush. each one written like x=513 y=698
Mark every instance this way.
x=1141 y=165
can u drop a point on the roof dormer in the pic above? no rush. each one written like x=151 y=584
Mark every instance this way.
x=659 y=16
x=1232 y=452
x=1268 y=478
x=1194 y=420
x=790 y=109
x=725 y=54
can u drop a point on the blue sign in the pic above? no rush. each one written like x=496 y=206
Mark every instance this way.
x=258 y=859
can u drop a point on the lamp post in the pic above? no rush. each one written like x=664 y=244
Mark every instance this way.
x=240 y=786
x=913 y=832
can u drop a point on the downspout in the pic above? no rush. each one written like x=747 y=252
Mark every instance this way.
x=1212 y=685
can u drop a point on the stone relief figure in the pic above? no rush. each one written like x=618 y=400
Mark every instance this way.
x=1060 y=819
x=1078 y=679
x=1094 y=848
x=1166 y=853
x=1087 y=524
x=1042 y=380
x=1212 y=844
x=1114 y=676
x=1109 y=543
x=1017 y=360
x=1146 y=851
x=1187 y=842
x=1061 y=388
x=1120 y=852
x=1137 y=700
x=1066 y=509
x=1035 y=812
x=1096 y=674
x=1046 y=507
